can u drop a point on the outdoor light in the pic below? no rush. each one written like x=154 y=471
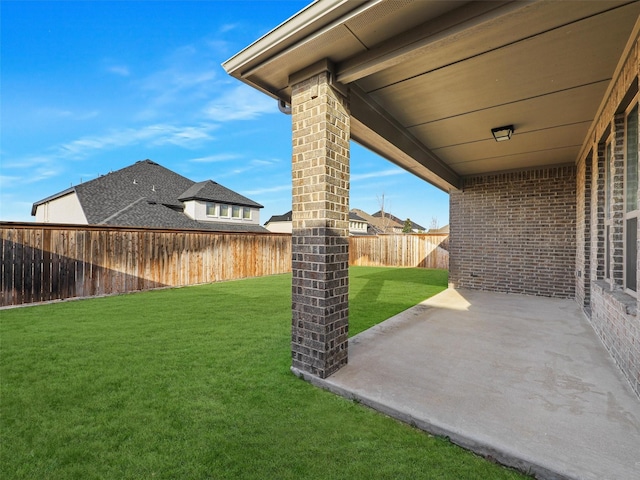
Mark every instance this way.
x=502 y=133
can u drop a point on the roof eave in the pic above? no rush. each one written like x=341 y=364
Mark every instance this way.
x=250 y=203
x=308 y=20
x=51 y=197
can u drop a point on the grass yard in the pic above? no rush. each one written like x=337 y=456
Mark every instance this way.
x=194 y=383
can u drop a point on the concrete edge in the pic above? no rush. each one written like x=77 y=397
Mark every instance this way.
x=486 y=450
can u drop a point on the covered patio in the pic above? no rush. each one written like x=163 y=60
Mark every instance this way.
x=521 y=379
x=526 y=113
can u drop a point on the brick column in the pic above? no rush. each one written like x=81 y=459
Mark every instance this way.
x=321 y=133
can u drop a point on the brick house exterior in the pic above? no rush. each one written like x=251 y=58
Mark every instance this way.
x=609 y=298
x=553 y=211
x=526 y=223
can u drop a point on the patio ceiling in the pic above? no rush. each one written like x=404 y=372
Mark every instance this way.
x=429 y=79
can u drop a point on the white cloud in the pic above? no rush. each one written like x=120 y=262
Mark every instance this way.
x=176 y=89
x=46 y=170
x=383 y=173
x=228 y=27
x=7 y=180
x=185 y=136
x=59 y=113
x=184 y=80
x=120 y=70
x=174 y=80
x=27 y=162
x=264 y=163
x=43 y=173
x=185 y=69
x=240 y=103
x=260 y=191
x=159 y=134
x=220 y=157
x=48 y=165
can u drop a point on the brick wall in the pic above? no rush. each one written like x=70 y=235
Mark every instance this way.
x=583 y=232
x=515 y=232
x=320 y=236
x=613 y=317
x=613 y=313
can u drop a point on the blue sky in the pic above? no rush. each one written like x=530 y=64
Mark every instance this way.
x=90 y=86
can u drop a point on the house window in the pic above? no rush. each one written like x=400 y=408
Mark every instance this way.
x=212 y=210
x=235 y=211
x=246 y=213
x=631 y=199
x=224 y=211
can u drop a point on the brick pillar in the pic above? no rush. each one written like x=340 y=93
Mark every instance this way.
x=321 y=133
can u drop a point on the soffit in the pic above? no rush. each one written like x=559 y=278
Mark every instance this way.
x=442 y=74
x=352 y=34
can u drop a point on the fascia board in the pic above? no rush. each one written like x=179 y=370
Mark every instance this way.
x=311 y=19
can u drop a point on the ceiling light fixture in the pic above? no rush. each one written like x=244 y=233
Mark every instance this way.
x=502 y=133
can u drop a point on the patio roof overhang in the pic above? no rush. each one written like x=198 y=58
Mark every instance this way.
x=428 y=80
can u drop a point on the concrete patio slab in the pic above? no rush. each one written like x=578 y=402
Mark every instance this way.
x=521 y=379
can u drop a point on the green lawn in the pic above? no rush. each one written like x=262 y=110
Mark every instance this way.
x=194 y=383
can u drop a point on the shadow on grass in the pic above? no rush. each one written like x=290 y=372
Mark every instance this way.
x=378 y=293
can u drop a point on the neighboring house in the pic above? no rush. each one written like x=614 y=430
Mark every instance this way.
x=146 y=194
x=357 y=224
x=280 y=223
x=283 y=224
x=386 y=223
x=395 y=222
x=442 y=230
x=526 y=113
x=375 y=225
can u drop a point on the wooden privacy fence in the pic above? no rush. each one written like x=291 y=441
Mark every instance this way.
x=415 y=250
x=50 y=262
x=41 y=263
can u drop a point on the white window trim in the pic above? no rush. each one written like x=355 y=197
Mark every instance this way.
x=215 y=209
x=247 y=209
x=235 y=208
x=228 y=210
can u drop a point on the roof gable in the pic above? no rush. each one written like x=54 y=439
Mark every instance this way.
x=61 y=194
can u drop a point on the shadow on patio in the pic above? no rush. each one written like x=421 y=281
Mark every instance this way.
x=521 y=379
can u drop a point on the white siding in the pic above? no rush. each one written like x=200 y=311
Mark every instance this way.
x=197 y=210
x=190 y=209
x=279 y=227
x=66 y=209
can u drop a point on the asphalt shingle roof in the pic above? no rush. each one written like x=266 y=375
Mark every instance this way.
x=397 y=220
x=211 y=191
x=287 y=217
x=147 y=194
x=114 y=192
x=354 y=216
